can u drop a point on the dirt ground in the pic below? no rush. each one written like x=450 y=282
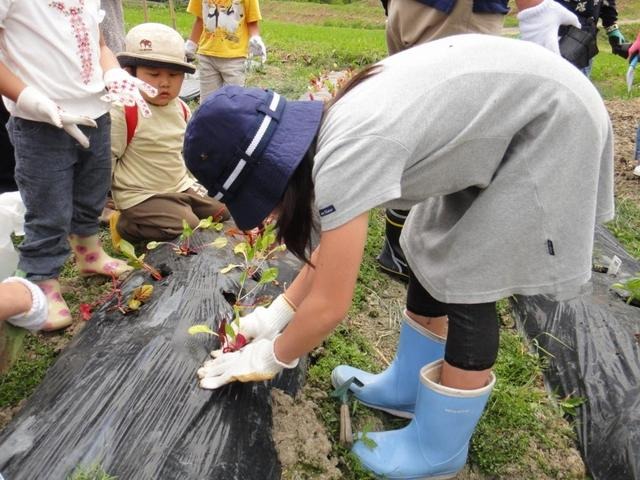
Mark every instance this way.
x=300 y=436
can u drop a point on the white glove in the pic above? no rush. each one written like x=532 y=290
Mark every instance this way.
x=41 y=108
x=540 y=24
x=36 y=317
x=263 y=322
x=253 y=363
x=190 y=48
x=257 y=48
x=125 y=89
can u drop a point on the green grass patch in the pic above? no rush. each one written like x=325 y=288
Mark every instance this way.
x=626 y=225
x=27 y=372
x=94 y=472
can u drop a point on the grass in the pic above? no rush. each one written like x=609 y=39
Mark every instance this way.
x=626 y=225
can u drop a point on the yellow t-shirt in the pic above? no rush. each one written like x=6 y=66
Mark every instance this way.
x=152 y=163
x=225 y=33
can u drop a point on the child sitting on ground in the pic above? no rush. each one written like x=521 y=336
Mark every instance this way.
x=151 y=186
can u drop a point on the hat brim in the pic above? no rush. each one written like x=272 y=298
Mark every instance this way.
x=296 y=131
x=127 y=59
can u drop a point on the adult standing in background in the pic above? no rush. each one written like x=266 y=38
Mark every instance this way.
x=412 y=22
x=112 y=26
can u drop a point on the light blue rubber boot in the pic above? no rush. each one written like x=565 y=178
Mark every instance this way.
x=395 y=389
x=435 y=443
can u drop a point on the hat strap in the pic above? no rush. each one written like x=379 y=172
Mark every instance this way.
x=258 y=143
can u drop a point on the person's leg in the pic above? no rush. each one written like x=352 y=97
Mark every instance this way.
x=91 y=182
x=394 y=390
x=210 y=77
x=204 y=206
x=45 y=159
x=451 y=395
x=232 y=70
x=157 y=218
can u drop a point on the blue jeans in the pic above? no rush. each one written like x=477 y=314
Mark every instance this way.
x=63 y=186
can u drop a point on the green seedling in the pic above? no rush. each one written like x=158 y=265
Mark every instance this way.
x=138 y=297
x=631 y=286
x=256 y=250
x=570 y=405
x=137 y=261
x=183 y=245
x=257 y=247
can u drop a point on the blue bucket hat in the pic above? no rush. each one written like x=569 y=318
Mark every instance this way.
x=244 y=144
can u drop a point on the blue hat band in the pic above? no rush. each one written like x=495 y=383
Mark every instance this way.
x=259 y=142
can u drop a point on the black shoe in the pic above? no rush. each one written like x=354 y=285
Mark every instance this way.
x=392 y=261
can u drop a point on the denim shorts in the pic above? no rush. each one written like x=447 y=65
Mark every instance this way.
x=63 y=186
x=473 y=330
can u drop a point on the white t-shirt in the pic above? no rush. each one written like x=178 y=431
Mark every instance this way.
x=54 y=46
x=502 y=150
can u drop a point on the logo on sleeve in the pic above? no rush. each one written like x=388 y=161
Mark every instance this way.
x=327 y=210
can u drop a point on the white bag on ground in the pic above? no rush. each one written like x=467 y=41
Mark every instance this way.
x=11 y=221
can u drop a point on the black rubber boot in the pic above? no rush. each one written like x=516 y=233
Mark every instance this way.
x=391 y=258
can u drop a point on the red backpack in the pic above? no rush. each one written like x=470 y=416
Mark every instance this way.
x=131 y=118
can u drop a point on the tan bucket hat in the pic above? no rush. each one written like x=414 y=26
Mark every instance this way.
x=154 y=45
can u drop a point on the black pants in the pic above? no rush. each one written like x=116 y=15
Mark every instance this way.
x=473 y=333
x=7 y=160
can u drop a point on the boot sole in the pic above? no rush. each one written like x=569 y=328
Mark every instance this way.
x=395 y=413
x=394 y=273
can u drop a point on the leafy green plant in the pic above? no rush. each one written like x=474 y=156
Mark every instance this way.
x=257 y=247
x=139 y=296
x=136 y=261
x=94 y=472
x=631 y=286
x=183 y=245
x=570 y=404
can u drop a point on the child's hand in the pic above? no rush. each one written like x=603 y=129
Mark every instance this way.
x=125 y=89
x=257 y=47
x=41 y=108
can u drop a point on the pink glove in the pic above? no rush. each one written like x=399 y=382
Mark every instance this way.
x=125 y=89
x=634 y=49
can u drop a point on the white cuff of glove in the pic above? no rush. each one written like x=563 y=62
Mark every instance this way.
x=36 y=317
x=267 y=322
x=281 y=312
x=272 y=354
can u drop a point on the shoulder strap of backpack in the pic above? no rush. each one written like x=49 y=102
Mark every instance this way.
x=131 y=119
x=185 y=109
